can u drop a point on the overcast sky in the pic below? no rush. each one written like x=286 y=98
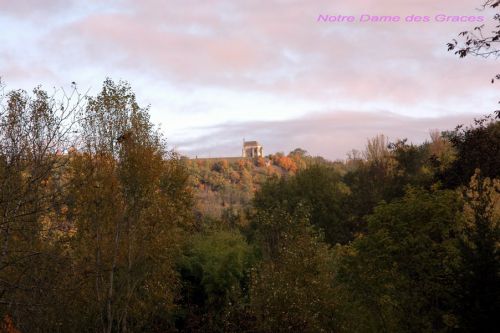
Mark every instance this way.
x=218 y=71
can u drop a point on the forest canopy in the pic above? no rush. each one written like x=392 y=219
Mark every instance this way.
x=106 y=229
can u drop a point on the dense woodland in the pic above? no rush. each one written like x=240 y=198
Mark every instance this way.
x=104 y=229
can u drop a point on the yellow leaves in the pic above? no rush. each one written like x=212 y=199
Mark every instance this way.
x=25 y=175
x=482 y=196
x=344 y=189
x=64 y=210
x=450 y=321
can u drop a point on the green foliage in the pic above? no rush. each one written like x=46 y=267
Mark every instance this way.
x=215 y=269
x=401 y=276
x=291 y=290
x=385 y=176
x=477 y=147
x=321 y=190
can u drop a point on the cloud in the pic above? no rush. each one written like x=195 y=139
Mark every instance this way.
x=277 y=46
x=266 y=45
x=250 y=52
x=25 y=8
x=43 y=14
x=330 y=135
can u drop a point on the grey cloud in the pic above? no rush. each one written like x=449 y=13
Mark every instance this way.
x=330 y=135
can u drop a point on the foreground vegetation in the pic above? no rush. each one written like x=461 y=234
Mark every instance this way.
x=104 y=229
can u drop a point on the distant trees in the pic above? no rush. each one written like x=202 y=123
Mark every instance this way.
x=383 y=174
x=321 y=190
x=226 y=187
x=285 y=162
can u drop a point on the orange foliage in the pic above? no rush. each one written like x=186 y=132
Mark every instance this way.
x=286 y=163
x=243 y=164
x=261 y=162
x=234 y=176
x=8 y=326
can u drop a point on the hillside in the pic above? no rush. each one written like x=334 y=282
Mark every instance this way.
x=224 y=187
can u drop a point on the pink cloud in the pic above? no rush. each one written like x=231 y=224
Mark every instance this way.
x=270 y=47
x=241 y=45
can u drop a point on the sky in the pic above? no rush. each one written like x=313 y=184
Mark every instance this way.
x=216 y=72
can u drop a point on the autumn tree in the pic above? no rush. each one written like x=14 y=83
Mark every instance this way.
x=129 y=203
x=441 y=151
x=34 y=131
x=480 y=276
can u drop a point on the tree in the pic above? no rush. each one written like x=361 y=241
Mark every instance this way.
x=377 y=150
x=480 y=275
x=384 y=175
x=476 y=147
x=411 y=164
x=215 y=269
x=476 y=42
x=441 y=151
x=286 y=163
x=291 y=290
x=129 y=204
x=298 y=152
x=401 y=276
x=321 y=190
x=34 y=130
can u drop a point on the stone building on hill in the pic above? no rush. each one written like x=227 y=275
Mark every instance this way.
x=252 y=149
